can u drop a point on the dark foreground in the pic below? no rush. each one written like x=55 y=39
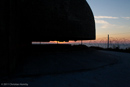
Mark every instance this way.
x=70 y=66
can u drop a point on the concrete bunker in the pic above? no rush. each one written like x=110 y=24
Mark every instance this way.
x=24 y=21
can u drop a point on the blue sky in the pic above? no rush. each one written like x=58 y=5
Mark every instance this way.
x=111 y=17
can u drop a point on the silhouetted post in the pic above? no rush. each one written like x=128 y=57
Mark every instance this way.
x=108 y=42
x=81 y=42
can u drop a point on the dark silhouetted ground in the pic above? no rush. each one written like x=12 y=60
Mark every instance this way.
x=72 y=66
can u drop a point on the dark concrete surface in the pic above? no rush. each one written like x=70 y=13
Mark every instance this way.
x=63 y=61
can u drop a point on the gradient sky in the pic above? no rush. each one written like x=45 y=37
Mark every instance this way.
x=112 y=17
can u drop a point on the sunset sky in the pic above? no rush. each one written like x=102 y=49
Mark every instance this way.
x=112 y=17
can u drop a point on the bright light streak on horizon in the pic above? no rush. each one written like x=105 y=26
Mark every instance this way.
x=98 y=40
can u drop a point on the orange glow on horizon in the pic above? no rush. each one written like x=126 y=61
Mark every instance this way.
x=98 y=40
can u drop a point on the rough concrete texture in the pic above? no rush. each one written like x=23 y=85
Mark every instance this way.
x=24 y=21
x=46 y=20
